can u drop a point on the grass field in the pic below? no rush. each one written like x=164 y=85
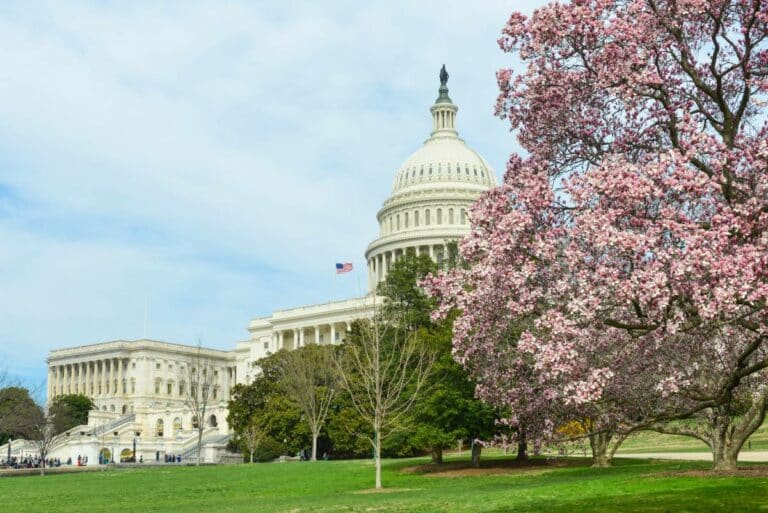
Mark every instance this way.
x=631 y=486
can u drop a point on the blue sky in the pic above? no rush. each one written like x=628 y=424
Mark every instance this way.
x=212 y=159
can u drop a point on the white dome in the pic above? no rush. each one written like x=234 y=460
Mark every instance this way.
x=443 y=159
x=431 y=195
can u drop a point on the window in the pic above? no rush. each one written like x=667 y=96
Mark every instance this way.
x=159 y=428
x=416 y=218
x=398 y=221
x=157 y=366
x=215 y=393
x=406 y=219
x=157 y=387
x=181 y=388
x=439 y=216
x=133 y=365
x=426 y=217
x=338 y=336
x=266 y=345
x=133 y=386
x=463 y=216
x=194 y=422
x=169 y=388
x=212 y=422
x=450 y=216
x=176 y=425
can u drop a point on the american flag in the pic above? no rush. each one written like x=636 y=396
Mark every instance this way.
x=343 y=268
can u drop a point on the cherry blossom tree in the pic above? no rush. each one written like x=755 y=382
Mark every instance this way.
x=633 y=235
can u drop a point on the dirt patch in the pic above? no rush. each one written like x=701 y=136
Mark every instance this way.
x=493 y=467
x=382 y=490
x=756 y=471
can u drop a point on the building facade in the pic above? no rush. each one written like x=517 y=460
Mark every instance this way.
x=138 y=386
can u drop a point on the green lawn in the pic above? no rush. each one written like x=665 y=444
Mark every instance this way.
x=336 y=486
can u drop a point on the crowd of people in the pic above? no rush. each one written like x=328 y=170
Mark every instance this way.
x=30 y=462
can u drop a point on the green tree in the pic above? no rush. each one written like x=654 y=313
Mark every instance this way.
x=265 y=403
x=70 y=410
x=17 y=411
x=447 y=410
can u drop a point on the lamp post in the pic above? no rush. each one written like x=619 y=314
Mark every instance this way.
x=9 y=449
x=134 y=449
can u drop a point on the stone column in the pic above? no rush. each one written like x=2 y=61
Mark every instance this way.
x=88 y=390
x=120 y=376
x=50 y=384
x=317 y=335
x=58 y=380
x=333 y=334
x=81 y=378
x=280 y=340
x=301 y=337
x=103 y=376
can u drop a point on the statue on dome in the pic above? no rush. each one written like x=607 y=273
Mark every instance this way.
x=443 y=76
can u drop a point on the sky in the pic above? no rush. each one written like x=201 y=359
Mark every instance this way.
x=198 y=164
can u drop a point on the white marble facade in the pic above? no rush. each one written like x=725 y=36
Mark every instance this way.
x=135 y=384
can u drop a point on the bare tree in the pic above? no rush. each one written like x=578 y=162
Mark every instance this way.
x=253 y=435
x=308 y=376
x=40 y=429
x=382 y=368
x=197 y=379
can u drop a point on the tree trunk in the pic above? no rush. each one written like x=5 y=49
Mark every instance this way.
x=599 y=442
x=522 y=450
x=199 y=445
x=437 y=454
x=314 y=446
x=476 y=450
x=377 y=450
x=252 y=455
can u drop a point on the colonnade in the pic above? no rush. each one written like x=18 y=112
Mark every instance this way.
x=380 y=264
x=94 y=378
x=294 y=338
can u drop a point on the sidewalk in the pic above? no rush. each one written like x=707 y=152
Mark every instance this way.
x=693 y=456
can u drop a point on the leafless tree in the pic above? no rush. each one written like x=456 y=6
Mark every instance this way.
x=40 y=429
x=382 y=368
x=308 y=376
x=197 y=379
x=253 y=435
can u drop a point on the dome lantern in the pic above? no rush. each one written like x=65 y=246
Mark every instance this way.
x=444 y=111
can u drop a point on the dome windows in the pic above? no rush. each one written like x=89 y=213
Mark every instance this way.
x=426 y=217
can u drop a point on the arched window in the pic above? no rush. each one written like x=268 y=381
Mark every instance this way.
x=439 y=216
x=159 y=428
x=176 y=425
x=125 y=409
x=416 y=218
x=111 y=407
x=406 y=219
x=426 y=217
x=450 y=216
x=398 y=221
x=212 y=422
x=194 y=422
x=463 y=216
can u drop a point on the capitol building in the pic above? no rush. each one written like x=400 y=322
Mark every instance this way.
x=138 y=386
